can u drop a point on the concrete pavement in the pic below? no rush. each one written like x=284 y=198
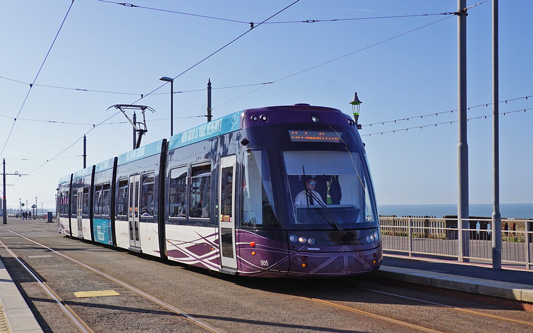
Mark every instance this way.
x=475 y=279
x=15 y=314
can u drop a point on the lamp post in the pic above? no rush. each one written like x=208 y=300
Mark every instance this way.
x=356 y=105
x=171 y=80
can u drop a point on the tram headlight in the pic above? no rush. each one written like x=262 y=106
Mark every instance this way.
x=373 y=237
x=302 y=239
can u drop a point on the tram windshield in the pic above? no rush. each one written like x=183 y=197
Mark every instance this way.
x=329 y=189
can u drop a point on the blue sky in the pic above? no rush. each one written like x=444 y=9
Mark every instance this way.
x=402 y=63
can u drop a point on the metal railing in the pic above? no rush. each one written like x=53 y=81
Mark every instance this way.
x=430 y=236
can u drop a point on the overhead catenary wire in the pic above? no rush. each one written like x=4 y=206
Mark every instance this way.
x=416 y=117
x=339 y=58
x=252 y=24
x=349 y=54
x=218 y=50
x=183 y=72
x=130 y=5
x=262 y=84
x=136 y=94
x=78 y=140
x=41 y=159
x=245 y=85
x=433 y=125
x=443 y=112
x=35 y=79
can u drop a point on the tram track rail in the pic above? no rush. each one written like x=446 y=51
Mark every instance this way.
x=373 y=315
x=390 y=319
x=77 y=321
x=433 y=303
x=85 y=328
x=477 y=313
x=74 y=318
x=339 y=305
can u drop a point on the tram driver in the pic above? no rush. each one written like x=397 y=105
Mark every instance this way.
x=309 y=196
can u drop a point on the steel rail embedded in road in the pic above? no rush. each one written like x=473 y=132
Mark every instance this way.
x=112 y=279
x=76 y=320
x=448 y=306
x=404 y=323
x=373 y=315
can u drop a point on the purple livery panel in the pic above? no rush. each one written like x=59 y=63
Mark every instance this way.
x=259 y=256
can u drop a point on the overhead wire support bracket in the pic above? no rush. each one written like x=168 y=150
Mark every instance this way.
x=137 y=124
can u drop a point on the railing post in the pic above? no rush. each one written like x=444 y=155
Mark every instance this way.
x=527 y=245
x=460 y=240
x=410 y=223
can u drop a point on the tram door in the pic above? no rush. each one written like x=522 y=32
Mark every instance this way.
x=226 y=204
x=79 y=212
x=133 y=211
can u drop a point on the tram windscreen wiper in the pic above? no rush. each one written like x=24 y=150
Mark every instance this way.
x=323 y=211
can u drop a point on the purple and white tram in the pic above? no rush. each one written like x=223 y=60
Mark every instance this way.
x=281 y=191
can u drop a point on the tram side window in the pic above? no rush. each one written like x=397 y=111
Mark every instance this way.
x=63 y=202
x=258 y=210
x=227 y=194
x=122 y=197
x=147 y=195
x=106 y=200
x=74 y=204
x=200 y=191
x=178 y=192
x=97 y=200
x=85 y=203
x=102 y=200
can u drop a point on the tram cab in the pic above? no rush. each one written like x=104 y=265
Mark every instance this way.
x=307 y=187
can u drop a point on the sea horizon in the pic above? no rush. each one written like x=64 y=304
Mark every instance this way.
x=522 y=211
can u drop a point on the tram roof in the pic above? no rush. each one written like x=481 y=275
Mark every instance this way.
x=220 y=126
x=150 y=149
x=105 y=165
x=83 y=172
x=65 y=179
x=233 y=122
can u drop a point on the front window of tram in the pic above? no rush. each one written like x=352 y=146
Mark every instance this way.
x=329 y=189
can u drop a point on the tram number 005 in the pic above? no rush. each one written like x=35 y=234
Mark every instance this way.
x=264 y=263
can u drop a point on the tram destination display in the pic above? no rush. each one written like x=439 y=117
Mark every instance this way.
x=314 y=136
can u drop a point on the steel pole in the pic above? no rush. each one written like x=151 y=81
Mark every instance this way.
x=134 y=130
x=209 y=116
x=462 y=146
x=4 y=204
x=496 y=216
x=171 y=107
x=84 y=152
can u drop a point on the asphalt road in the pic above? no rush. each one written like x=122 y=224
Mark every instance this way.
x=226 y=303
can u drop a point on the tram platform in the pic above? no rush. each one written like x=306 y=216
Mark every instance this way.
x=508 y=283
x=15 y=314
